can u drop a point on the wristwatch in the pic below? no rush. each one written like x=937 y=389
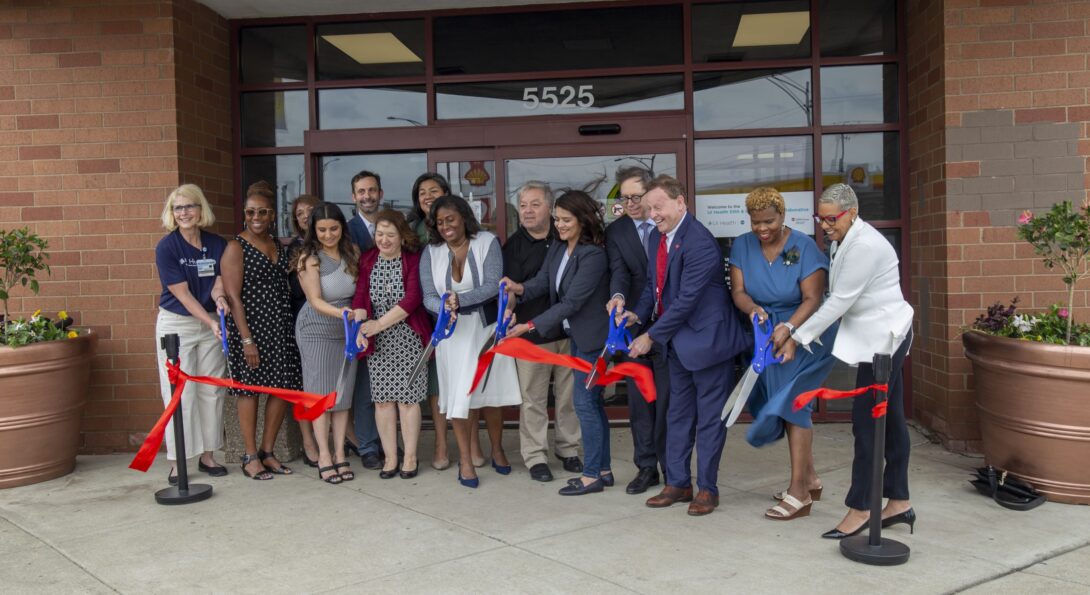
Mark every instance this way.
x=790 y=327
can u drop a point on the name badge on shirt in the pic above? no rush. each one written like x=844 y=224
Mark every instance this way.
x=206 y=267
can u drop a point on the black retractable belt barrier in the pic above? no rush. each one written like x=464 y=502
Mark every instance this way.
x=873 y=548
x=184 y=492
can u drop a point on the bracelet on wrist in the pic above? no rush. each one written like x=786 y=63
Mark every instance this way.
x=248 y=341
x=791 y=328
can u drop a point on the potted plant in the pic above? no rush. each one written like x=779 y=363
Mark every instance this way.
x=45 y=367
x=1031 y=371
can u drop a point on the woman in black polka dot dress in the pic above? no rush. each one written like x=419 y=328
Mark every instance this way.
x=261 y=330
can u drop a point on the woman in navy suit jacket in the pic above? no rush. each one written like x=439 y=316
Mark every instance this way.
x=575 y=276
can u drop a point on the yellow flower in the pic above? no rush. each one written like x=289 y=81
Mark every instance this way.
x=72 y=334
x=62 y=315
x=36 y=314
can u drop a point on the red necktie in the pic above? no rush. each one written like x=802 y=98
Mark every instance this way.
x=660 y=273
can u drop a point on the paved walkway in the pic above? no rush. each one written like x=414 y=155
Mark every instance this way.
x=99 y=530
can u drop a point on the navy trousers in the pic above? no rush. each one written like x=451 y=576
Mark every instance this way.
x=693 y=418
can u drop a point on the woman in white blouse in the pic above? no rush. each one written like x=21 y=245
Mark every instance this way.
x=865 y=295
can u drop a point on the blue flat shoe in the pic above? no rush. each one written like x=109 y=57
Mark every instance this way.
x=576 y=488
x=469 y=483
x=501 y=469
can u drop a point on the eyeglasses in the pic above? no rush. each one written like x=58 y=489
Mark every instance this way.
x=831 y=219
x=634 y=198
x=258 y=212
x=179 y=209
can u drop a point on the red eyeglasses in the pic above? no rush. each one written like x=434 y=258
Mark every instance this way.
x=831 y=219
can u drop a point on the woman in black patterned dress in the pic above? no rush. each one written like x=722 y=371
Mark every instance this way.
x=388 y=292
x=262 y=337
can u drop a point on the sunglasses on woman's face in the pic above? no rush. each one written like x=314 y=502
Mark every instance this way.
x=258 y=212
x=830 y=219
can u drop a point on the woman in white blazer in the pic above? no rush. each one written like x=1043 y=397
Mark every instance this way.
x=865 y=295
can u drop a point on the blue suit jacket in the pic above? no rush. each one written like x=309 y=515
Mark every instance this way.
x=360 y=235
x=699 y=321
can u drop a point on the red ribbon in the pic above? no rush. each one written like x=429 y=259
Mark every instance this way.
x=527 y=351
x=308 y=407
x=827 y=393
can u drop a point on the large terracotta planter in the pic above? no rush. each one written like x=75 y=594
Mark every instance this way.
x=1034 y=405
x=42 y=391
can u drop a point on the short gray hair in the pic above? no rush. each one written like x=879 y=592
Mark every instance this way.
x=536 y=185
x=841 y=195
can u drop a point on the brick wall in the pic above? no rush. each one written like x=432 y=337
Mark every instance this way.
x=94 y=98
x=1017 y=136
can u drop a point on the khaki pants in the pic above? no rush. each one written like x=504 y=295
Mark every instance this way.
x=534 y=421
x=202 y=405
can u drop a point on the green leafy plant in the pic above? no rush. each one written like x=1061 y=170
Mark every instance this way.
x=22 y=257
x=1052 y=326
x=1062 y=237
x=37 y=329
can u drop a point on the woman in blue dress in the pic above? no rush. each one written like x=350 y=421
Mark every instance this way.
x=779 y=274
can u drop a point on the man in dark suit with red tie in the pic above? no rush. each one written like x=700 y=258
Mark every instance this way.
x=628 y=241
x=687 y=308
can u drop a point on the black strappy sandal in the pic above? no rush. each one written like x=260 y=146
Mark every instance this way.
x=345 y=475
x=282 y=470
x=262 y=475
x=332 y=479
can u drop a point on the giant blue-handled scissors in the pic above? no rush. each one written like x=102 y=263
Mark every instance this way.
x=501 y=332
x=618 y=339
x=351 y=350
x=764 y=355
x=444 y=328
x=223 y=332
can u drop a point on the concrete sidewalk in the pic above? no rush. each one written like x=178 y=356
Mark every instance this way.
x=100 y=530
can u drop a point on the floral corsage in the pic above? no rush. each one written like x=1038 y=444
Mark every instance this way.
x=790 y=257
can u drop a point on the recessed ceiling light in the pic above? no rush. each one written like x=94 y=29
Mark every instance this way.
x=373 y=48
x=773 y=28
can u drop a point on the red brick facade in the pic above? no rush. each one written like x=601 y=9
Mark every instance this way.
x=999 y=110
x=103 y=110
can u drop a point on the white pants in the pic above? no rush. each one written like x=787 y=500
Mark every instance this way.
x=202 y=405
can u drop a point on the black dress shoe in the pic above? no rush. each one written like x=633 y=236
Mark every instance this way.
x=384 y=474
x=371 y=460
x=571 y=464
x=835 y=533
x=213 y=470
x=907 y=517
x=409 y=474
x=541 y=472
x=577 y=488
x=171 y=478
x=647 y=477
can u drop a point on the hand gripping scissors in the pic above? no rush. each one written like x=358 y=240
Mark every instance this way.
x=618 y=339
x=351 y=350
x=500 y=334
x=763 y=356
x=444 y=328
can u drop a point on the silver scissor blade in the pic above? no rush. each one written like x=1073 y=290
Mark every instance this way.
x=593 y=375
x=342 y=378
x=736 y=403
x=421 y=363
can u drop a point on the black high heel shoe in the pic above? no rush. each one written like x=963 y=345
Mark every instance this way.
x=907 y=517
x=835 y=533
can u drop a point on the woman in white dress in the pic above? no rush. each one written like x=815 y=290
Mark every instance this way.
x=465 y=261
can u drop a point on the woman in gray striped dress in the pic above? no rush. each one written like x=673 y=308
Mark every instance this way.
x=328 y=265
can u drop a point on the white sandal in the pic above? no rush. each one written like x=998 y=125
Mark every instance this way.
x=815 y=494
x=779 y=513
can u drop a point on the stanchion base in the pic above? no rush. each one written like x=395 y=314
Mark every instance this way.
x=889 y=553
x=174 y=495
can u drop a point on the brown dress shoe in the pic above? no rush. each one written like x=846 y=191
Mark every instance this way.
x=704 y=503
x=669 y=495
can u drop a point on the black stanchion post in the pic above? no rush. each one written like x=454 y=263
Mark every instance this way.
x=873 y=548
x=183 y=493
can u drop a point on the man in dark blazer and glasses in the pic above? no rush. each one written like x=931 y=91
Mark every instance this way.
x=628 y=244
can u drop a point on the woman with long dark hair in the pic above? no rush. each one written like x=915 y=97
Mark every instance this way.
x=575 y=276
x=427 y=188
x=300 y=210
x=262 y=341
x=328 y=266
x=466 y=262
